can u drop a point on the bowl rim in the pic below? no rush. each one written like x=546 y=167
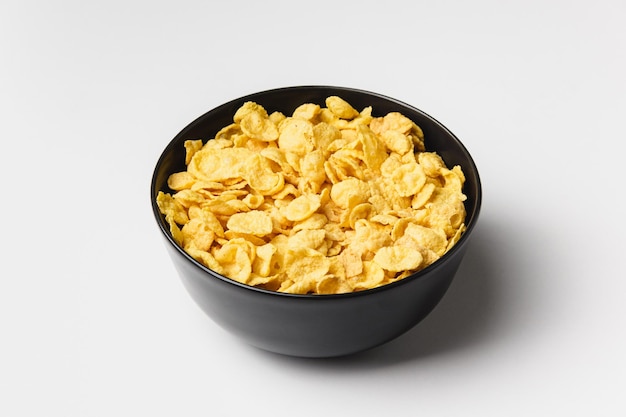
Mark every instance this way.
x=211 y=274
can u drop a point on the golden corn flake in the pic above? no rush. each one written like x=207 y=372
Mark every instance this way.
x=341 y=108
x=171 y=208
x=373 y=150
x=296 y=136
x=408 y=179
x=260 y=177
x=262 y=264
x=302 y=207
x=307 y=111
x=234 y=260
x=257 y=125
x=372 y=276
x=247 y=108
x=255 y=222
x=328 y=200
x=180 y=181
x=198 y=234
x=398 y=258
x=218 y=165
x=191 y=147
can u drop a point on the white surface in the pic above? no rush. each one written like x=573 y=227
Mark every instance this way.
x=94 y=320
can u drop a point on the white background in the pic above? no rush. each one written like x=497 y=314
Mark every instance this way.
x=93 y=318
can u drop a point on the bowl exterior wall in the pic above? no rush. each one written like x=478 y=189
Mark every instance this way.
x=317 y=326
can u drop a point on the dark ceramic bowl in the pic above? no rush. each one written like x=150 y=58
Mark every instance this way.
x=318 y=325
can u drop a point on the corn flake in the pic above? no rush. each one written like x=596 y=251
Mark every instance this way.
x=341 y=108
x=302 y=207
x=257 y=223
x=398 y=258
x=257 y=125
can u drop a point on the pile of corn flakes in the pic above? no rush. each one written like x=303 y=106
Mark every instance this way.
x=328 y=200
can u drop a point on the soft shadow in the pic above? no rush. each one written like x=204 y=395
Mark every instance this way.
x=467 y=314
x=465 y=317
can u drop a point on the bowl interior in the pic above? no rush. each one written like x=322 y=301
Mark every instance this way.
x=437 y=138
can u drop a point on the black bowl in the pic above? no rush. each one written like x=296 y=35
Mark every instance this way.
x=318 y=325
